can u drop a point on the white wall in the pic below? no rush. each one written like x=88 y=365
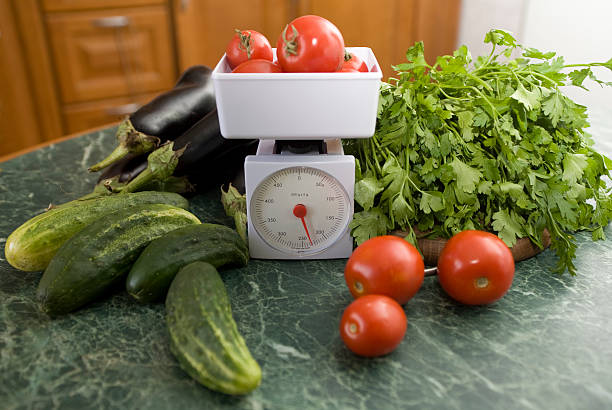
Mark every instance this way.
x=581 y=31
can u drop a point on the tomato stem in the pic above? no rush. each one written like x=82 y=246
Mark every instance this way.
x=347 y=55
x=245 y=42
x=291 y=46
x=358 y=287
x=481 y=282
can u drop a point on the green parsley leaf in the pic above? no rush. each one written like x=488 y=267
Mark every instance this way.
x=508 y=227
x=365 y=191
x=573 y=167
x=431 y=201
x=530 y=99
x=467 y=177
x=368 y=224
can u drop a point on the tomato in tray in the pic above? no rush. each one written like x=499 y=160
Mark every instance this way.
x=373 y=325
x=258 y=66
x=247 y=45
x=386 y=265
x=310 y=44
x=475 y=267
x=352 y=60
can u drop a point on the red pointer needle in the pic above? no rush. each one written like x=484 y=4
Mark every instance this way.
x=300 y=212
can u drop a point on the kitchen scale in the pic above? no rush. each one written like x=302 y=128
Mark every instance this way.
x=299 y=187
x=299 y=199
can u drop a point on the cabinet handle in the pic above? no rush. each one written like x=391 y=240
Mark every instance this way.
x=113 y=22
x=125 y=109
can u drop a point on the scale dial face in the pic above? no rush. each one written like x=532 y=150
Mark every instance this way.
x=300 y=210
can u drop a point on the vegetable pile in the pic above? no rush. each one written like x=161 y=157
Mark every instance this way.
x=491 y=144
x=161 y=251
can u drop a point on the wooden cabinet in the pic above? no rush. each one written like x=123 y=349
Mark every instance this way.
x=69 y=65
x=82 y=63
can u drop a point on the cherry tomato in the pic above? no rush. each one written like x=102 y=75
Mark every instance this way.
x=373 y=325
x=247 y=45
x=258 y=66
x=385 y=265
x=354 y=61
x=310 y=44
x=475 y=267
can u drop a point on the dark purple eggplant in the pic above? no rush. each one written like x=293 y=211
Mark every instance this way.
x=201 y=155
x=169 y=115
x=166 y=117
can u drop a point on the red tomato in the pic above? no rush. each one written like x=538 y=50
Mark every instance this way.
x=347 y=70
x=310 y=44
x=475 y=267
x=258 y=66
x=247 y=45
x=373 y=325
x=354 y=61
x=385 y=265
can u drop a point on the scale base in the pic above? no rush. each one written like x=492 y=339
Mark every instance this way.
x=267 y=161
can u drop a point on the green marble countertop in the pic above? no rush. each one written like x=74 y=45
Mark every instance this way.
x=546 y=345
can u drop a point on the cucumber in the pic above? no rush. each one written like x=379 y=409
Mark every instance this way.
x=204 y=337
x=96 y=257
x=32 y=245
x=153 y=271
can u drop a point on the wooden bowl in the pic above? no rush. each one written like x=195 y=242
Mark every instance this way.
x=522 y=249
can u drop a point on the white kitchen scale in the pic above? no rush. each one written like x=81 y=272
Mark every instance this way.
x=299 y=199
x=299 y=187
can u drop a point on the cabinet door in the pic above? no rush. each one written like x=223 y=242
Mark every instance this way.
x=204 y=27
x=112 y=53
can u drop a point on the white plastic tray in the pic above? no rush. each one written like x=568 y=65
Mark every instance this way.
x=298 y=105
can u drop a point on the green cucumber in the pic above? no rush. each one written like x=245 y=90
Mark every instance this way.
x=153 y=271
x=101 y=253
x=32 y=245
x=204 y=337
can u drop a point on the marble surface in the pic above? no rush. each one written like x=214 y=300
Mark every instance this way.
x=546 y=345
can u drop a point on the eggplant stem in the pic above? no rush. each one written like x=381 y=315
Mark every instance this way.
x=131 y=141
x=118 y=153
x=234 y=204
x=141 y=180
x=161 y=164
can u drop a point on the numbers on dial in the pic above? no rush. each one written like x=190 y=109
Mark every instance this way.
x=300 y=210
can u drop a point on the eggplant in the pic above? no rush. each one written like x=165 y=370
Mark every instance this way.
x=169 y=115
x=200 y=156
x=166 y=117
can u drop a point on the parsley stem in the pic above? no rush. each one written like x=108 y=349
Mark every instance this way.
x=587 y=65
x=480 y=80
x=374 y=154
x=379 y=148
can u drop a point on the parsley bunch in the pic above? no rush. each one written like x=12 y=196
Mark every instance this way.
x=491 y=144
